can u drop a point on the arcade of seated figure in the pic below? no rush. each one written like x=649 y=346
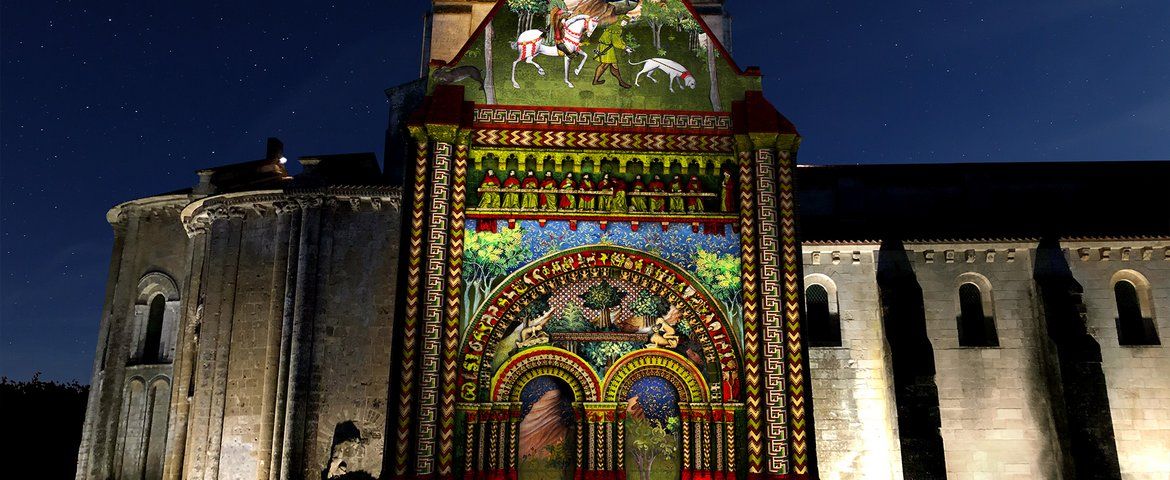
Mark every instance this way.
x=650 y=194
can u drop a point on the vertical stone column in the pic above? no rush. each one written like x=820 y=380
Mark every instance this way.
x=223 y=308
x=730 y=438
x=185 y=351
x=706 y=424
x=493 y=447
x=433 y=302
x=483 y=436
x=288 y=211
x=771 y=305
x=95 y=454
x=406 y=392
x=470 y=414
x=300 y=340
x=454 y=298
x=579 y=411
x=762 y=137
x=515 y=411
x=620 y=441
x=749 y=277
x=279 y=326
x=686 y=465
x=600 y=417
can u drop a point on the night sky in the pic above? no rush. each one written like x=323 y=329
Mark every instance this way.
x=102 y=103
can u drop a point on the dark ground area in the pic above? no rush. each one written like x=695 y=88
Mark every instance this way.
x=40 y=427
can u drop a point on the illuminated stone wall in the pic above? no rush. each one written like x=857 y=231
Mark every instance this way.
x=856 y=423
x=1137 y=377
x=994 y=402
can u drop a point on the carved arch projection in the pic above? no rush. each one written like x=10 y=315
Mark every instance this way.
x=522 y=368
x=670 y=366
x=501 y=311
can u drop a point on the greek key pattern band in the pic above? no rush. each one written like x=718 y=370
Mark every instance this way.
x=604 y=140
x=437 y=241
x=514 y=117
x=772 y=317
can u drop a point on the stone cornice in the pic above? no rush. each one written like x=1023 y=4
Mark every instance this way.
x=157 y=206
x=197 y=216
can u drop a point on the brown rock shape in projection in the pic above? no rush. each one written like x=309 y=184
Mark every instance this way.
x=634 y=409
x=543 y=426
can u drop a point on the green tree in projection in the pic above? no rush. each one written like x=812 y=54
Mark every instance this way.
x=604 y=297
x=488 y=256
x=648 y=442
x=662 y=13
x=649 y=305
x=571 y=319
x=526 y=10
x=721 y=275
x=601 y=354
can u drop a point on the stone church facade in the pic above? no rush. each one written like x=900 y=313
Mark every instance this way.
x=559 y=276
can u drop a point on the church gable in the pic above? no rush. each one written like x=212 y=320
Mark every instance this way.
x=626 y=54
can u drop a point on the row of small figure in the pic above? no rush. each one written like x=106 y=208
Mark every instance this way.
x=610 y=194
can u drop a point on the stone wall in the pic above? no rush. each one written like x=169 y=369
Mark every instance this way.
x=122 y=432
x=852 y=385
x=1137 y=377
x=1001 y=414
x=994 y=404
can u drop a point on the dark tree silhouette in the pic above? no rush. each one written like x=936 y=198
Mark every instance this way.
x=42 y=424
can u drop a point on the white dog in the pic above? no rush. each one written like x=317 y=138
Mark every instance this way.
x=672 y=69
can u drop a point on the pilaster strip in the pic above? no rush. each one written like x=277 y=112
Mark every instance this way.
x=432 y=325
x=772 y=324
x=751 y=318
x=451 y=327
x=410 y=325
x=792 y=292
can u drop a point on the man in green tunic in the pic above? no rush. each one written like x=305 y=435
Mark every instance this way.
x=490 y=199
x=677 y=202
x=530 y=185
x=607 y=53
x=638 y=202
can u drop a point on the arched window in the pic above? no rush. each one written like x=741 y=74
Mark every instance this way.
x=154 y=325
x=824 y=324
x=155 y=318
x=976 y=323
x=1134 y=326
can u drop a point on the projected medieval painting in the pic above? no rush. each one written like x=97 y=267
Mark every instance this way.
x=647 y=54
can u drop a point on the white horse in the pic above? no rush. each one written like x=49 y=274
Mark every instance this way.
x=531 y=43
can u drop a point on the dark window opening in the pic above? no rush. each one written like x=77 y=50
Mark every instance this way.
x=154 y=324
x=976 y=327
x=1132 y=327
x=824 y=327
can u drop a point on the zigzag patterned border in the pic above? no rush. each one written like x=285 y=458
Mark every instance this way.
x=410 y=325
x=511 y=117
x=792 y=292
x=604 y=140
x=772 y=326
x=751 y=326
x=451 y=328
x=437 y=241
